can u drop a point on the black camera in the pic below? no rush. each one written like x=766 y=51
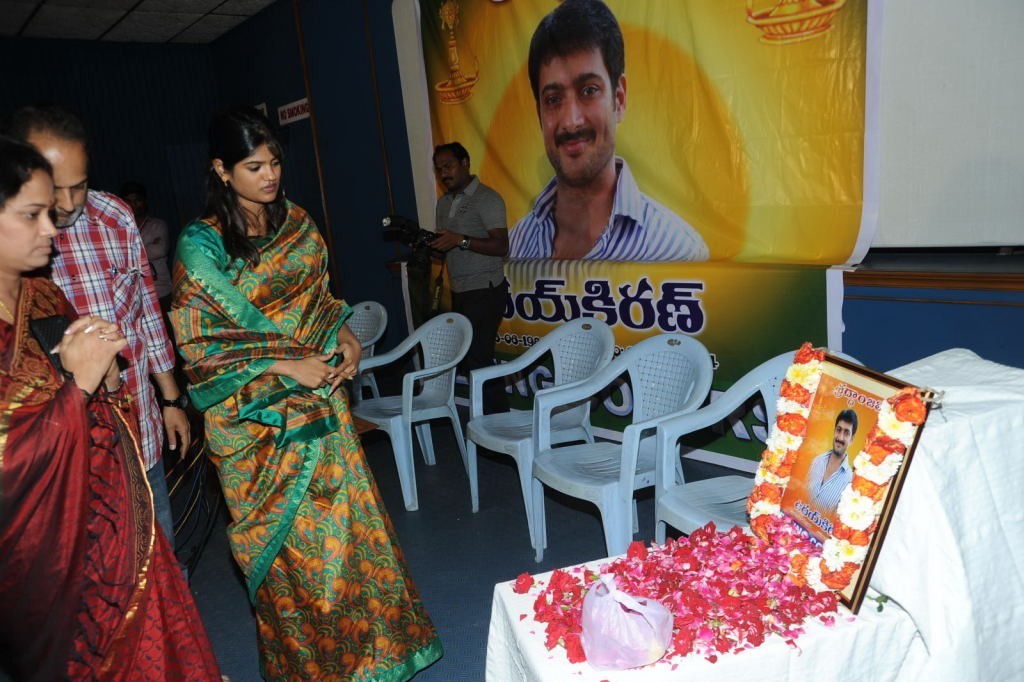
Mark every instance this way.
x=408 y=232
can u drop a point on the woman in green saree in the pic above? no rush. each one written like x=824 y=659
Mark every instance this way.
x=266 y=347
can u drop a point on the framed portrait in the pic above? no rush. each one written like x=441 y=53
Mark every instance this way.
x=841 y=447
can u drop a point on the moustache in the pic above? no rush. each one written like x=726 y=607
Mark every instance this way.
x=587 y=134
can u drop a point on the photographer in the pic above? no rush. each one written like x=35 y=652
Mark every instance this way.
x=472 y=232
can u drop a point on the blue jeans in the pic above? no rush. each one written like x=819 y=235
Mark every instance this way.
x=161 y=501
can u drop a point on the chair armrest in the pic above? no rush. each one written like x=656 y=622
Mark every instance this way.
x=476 y=384
x=676 y=425
x=631 y=436
x=664 y=458
x=393 y=355
x=478 y=376
x=547 y=399
x=410 y=378
x=375 y=361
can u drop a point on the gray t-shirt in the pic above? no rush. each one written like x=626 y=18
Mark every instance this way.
x=472 y=212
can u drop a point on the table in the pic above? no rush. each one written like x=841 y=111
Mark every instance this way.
x=952 y=564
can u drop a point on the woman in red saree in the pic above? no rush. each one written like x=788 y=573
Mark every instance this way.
x=265 y=347
x=88 y=590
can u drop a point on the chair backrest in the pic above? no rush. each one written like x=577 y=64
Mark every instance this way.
x=668 y=373
x=442 y=339
x=580 y=348
x=368 y=321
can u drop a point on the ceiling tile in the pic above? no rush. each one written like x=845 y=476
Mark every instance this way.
x=93 y=4
x=151 y=27
x=242 y=7
x=13 y=15
x=178 y=6
x=81 y=23
x=209 y=28
x=126 y=20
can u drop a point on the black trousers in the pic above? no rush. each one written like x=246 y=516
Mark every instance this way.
x=418 y=272
x=484 y=308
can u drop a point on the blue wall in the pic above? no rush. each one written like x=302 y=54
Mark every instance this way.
x=886 y=327
x=146 y=108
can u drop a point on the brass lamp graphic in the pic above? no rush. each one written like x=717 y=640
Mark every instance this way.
x=791 y=21
x=458 y=87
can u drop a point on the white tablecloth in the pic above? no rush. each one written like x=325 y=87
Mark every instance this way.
x=952 y=563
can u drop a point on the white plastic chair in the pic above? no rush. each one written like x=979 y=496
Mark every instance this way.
x=368 y=321
x=578 y=349
x=722 y=499
x=669 y=374
x=427 y=393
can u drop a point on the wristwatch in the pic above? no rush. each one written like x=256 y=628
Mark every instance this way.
x=181 y=402
x=464 y=244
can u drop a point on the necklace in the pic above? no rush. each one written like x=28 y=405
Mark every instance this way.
x=6 y=309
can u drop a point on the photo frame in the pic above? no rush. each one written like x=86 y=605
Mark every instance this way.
x=836 y=461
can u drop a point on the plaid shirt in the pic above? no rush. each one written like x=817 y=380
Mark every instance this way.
x=101 y=266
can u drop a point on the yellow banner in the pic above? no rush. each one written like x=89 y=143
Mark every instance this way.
x=743 y=314
x=745 y=119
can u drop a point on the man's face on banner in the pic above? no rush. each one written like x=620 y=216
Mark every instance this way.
x=579 y=108
x=842 y=437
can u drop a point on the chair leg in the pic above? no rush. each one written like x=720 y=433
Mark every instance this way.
x=616 y=529
x=401 y=443
x=539 y=537
x=525 y=466
x=660 y=531
x=460 y=440
x=471 y=474
x=426 y=442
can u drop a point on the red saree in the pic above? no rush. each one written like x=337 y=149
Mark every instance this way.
x=89 y=590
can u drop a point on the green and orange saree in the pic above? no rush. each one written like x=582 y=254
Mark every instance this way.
x=329 y=583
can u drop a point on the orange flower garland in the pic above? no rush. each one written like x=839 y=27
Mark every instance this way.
x=873 y=470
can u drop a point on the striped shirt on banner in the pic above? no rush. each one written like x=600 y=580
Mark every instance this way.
x=639 y=228
x=825 y=494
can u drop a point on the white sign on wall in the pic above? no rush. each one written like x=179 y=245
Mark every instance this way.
x=293 y=111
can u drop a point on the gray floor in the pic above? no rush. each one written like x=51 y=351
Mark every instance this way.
x=455 y=556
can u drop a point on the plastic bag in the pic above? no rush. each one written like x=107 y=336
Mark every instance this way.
x=621 y=631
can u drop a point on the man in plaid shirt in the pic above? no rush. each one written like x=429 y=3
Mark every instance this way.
x=101 y=266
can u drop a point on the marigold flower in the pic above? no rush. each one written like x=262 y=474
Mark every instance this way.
x=838 y=580
x=807 y=353
x=792 y=423
x=795 y=392
x=770 y=493
x=868 y=488
x=908 y=406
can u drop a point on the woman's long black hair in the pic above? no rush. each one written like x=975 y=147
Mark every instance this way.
x=18 y=161
x=236 y=133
